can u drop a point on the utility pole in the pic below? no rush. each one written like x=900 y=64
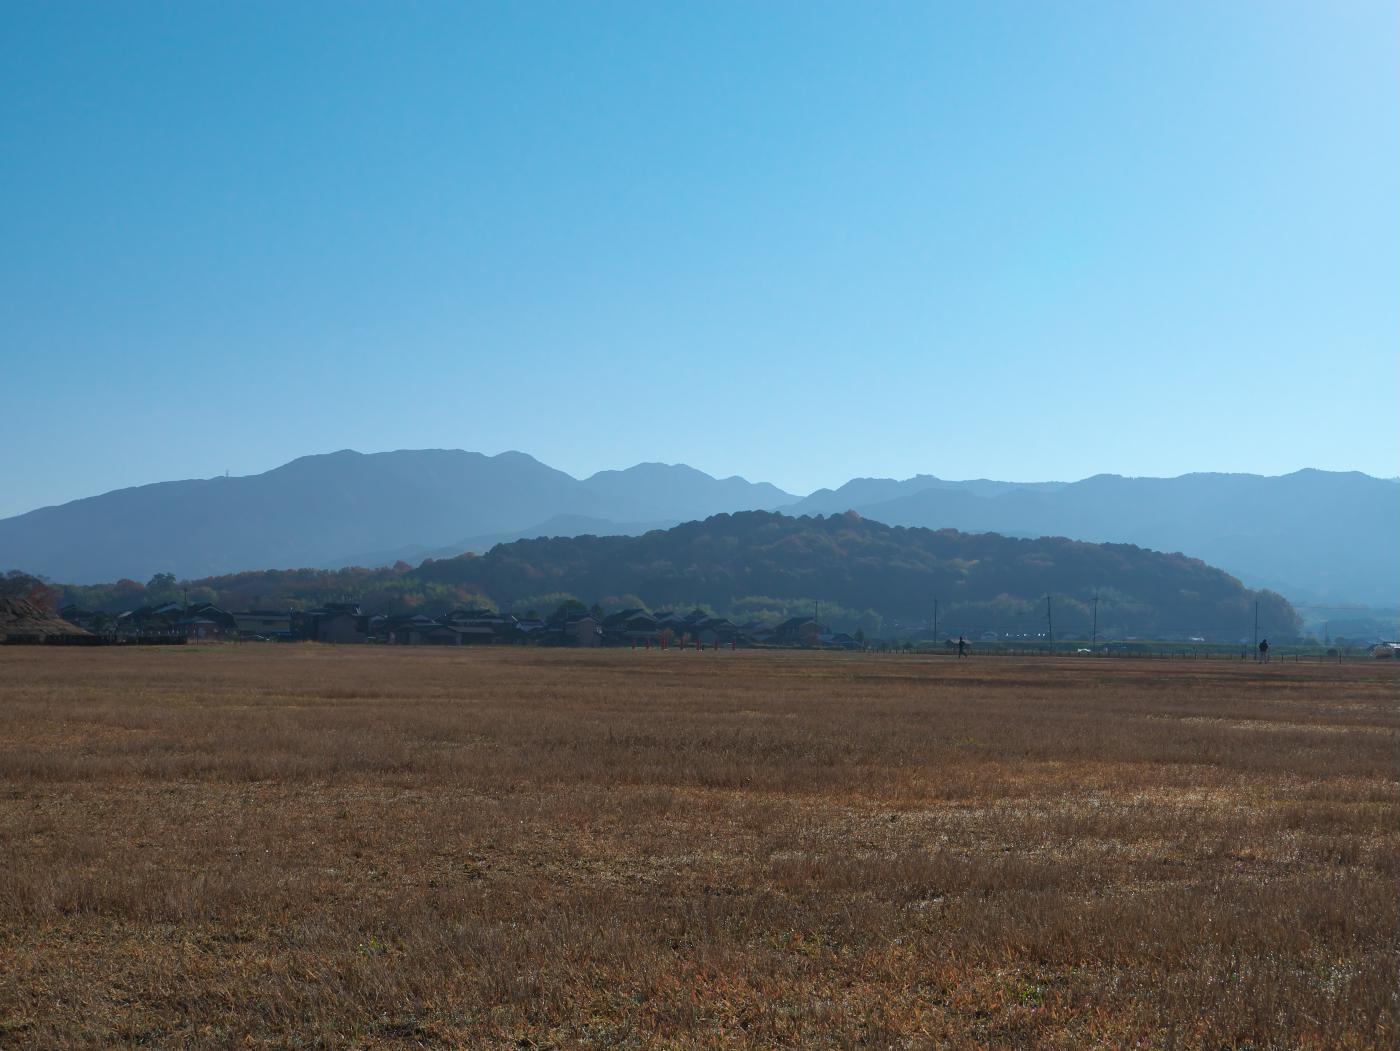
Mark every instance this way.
x=1096 y=620
x=1050 y=623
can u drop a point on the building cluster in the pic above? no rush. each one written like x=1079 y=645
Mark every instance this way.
x=346 y=623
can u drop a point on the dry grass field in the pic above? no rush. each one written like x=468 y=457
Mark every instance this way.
x=293 y=846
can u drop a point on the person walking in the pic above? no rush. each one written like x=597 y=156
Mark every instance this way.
x=1264 y=650
x=962 y=646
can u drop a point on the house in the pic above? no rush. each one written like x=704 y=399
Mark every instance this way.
x=458 y=628
x=150 y=620
x=529 y=629
x=480 y=634
x=201 y=629
x=798 y=631
x=335 y=622
x=482 y=626
x=630 y=626
x=265 y=623
x=574 y=629
x=839 y=641
x=340 y=628
x=207 y=621
x=400 y=627
x=716 y=631
x=462 y=616
x=671 y=625
x=586 y=630
x=431 y=634
x=197 y=629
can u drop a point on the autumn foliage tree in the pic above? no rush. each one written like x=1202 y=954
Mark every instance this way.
x=18 y=584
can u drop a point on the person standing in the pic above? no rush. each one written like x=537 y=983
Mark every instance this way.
x=1264 y=650
x=962 y=646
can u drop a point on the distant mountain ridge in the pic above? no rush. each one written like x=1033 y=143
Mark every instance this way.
x=863 y=492
x=1311 y=535
x=319 y=510
x=559 y=525
x=1315 y=536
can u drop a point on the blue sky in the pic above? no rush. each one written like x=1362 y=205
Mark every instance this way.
x=798 y=241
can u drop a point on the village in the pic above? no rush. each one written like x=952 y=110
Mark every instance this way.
x=346 y=624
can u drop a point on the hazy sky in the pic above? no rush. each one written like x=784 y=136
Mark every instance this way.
x=799 y=241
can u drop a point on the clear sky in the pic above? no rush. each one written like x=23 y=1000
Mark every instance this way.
x=796 y=241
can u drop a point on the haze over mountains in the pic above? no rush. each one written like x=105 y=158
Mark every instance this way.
x=1311 y=535
x=349 y=507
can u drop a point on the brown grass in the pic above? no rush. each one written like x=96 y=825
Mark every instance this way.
x=303 y=846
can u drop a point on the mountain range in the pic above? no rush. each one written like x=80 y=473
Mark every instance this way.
x=347 y=508
x=1314 y=536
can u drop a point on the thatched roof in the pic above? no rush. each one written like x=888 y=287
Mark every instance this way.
x=21 y=617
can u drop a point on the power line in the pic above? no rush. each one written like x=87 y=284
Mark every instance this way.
x=1318 y=605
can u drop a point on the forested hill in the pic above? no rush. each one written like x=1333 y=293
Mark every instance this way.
x=765 y=566
x=982 y=581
